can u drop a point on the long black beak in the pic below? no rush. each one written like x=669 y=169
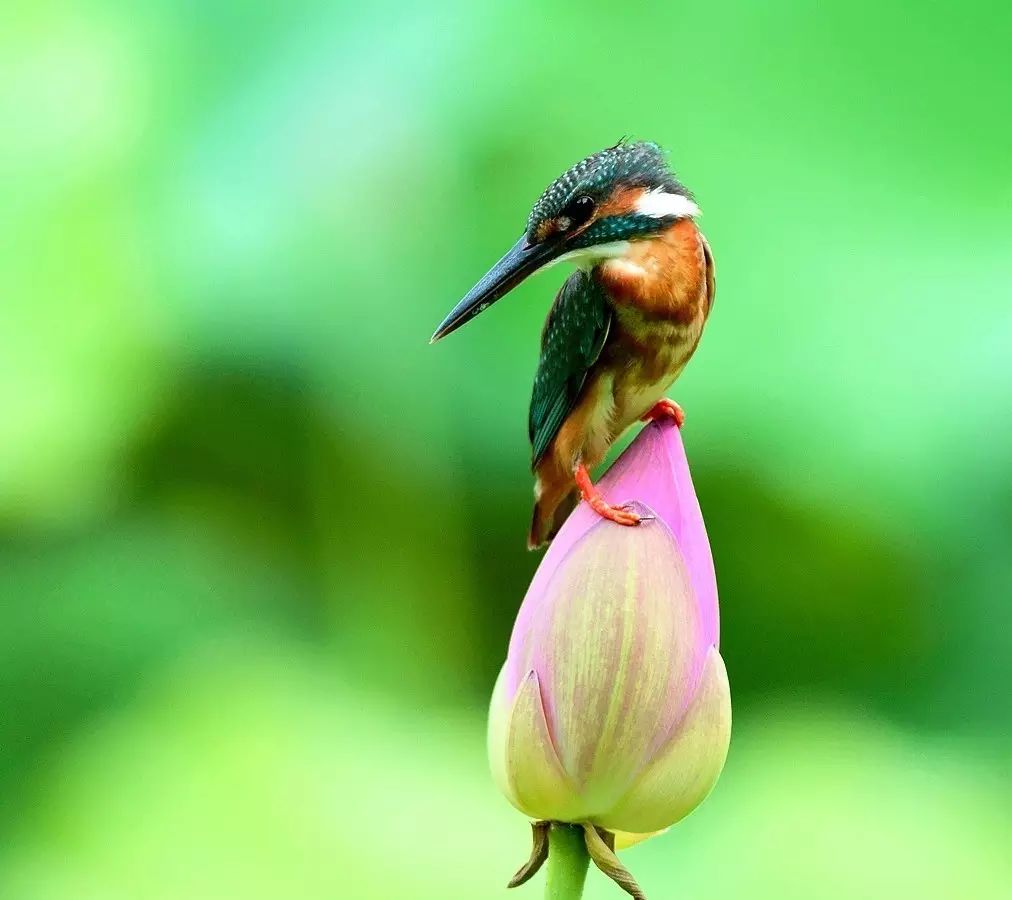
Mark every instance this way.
x=523 y=259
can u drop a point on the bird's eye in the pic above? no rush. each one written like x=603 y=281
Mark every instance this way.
x=578 y=210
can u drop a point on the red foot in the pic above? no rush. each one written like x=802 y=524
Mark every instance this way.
x=597 y=503
x=665 y=408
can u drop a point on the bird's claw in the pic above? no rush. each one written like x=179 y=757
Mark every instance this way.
x=620 y=515
x=665 y=409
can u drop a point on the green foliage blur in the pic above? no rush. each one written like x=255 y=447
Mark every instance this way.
x=261 y=546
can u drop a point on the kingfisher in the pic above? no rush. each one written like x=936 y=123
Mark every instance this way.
x=622 y=327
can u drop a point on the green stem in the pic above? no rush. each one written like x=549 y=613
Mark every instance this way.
x=567 y=862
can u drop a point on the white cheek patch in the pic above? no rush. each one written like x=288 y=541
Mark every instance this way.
x=659 y=204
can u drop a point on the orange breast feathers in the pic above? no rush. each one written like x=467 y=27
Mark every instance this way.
x=664 y=277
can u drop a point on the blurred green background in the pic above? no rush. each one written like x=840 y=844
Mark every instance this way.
x=261 y=546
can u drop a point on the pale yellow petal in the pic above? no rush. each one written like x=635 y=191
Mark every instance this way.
x=499 y=712
x=687 y=769
x=538 y=784
x=626 y=839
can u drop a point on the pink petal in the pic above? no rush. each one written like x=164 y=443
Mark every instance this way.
x=654 y=471
x=614 y=645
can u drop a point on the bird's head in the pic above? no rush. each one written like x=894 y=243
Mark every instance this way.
x=588 y=214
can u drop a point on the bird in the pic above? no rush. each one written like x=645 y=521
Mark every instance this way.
x=623 y=326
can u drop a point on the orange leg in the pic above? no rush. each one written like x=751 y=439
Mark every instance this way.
x=597 y=503
x=665 y=407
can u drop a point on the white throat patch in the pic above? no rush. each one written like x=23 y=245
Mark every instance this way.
x=588 y=257
x=658 y=204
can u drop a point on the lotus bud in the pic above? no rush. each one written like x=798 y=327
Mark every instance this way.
x=613 y=710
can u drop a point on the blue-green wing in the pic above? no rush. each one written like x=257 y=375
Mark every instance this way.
x=574 y=334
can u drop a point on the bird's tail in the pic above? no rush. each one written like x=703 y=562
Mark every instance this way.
x=550 y=511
